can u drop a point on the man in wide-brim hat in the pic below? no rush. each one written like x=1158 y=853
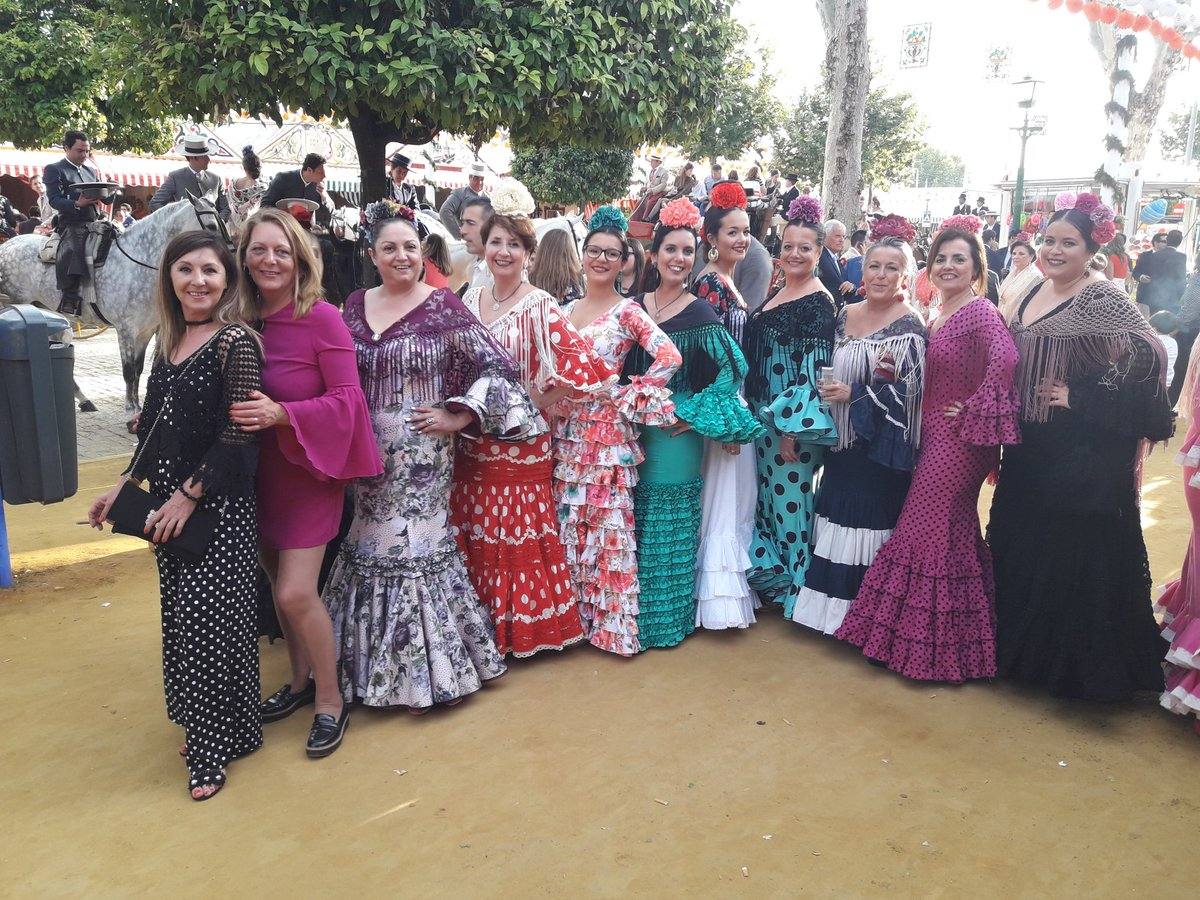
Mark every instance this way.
x=452 y=209
x=194 y=178
x=398 y=189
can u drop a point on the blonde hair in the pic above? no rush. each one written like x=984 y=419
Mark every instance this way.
x=228 y=311
x=556 y=267
x=307 y=290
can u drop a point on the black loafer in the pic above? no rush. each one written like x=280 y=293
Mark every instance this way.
x=283 y=702
x=326 y=733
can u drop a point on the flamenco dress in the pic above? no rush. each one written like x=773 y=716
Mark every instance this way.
x=597 y=454
x=925 y=605
x=502 y=506
x=866 y=476
x=408 y=626
x=667 y=508
x=785 y=346
x=728 y=499
x=209 y=638
x=1179 y=605
x=1073 y=603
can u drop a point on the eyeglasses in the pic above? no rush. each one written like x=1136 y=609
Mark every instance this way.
x=594 y=252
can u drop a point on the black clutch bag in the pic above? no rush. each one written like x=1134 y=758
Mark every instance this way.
x=133 y=506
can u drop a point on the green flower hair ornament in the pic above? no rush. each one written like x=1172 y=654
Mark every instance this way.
x=608 y=216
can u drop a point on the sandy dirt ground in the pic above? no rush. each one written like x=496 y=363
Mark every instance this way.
x=771 y=762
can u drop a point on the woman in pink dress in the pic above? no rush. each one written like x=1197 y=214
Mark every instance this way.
x=596 y=442
x=316 y=436
x=1179 y=604
x=925 y=607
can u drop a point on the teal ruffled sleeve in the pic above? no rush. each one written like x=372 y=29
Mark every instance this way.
x=718 y=411
x=798 y=412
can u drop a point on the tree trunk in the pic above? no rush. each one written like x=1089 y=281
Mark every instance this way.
x=849 y=74
x=371 y=137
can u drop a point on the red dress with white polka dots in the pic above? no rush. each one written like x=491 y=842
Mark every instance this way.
x=925 y=608
x=502 y=507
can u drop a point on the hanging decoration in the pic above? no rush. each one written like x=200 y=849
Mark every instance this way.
x=1173 y=22
x=914 y=45
x=999 y=61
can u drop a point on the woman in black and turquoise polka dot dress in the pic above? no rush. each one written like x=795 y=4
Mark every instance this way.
x=787 y=341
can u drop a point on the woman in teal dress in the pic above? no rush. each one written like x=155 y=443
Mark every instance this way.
x=787 y=341
x=705 y=388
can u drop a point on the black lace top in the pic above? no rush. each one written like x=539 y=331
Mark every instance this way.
x=185 y=431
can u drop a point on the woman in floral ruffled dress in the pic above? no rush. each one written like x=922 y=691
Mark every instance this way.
x=596 y=445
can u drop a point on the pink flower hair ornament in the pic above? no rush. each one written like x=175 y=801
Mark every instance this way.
x=1104 y=227
x=1065 y=200
x=893 y=226
x=969 y=224
x=805 y=209
x=680 y=213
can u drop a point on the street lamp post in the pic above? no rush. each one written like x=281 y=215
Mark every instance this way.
x=1026 y=131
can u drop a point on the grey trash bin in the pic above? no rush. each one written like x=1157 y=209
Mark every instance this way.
x=38 y=458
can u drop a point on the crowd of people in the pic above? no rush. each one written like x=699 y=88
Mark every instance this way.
x=570 y=448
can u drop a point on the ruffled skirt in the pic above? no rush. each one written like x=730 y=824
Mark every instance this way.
x=597 y=454
x=723 y=595
x=1179 y=607
x=502 y=509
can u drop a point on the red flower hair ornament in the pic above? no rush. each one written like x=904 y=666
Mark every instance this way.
x=728 y=195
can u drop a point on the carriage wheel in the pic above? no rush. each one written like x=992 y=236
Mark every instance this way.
x=83 y=330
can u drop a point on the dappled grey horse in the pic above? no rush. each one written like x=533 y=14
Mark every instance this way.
x=124 y=286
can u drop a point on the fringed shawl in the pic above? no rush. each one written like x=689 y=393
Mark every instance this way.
x=1098 y=330
x=701 y=340
x=435 y=352
x=778 y=340
x=855 y=360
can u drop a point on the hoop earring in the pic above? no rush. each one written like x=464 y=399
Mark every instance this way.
x=712 y=254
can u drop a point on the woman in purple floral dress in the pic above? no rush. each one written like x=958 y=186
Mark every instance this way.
x=408 y=626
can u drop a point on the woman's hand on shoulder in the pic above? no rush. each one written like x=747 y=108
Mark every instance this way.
x=257 y=413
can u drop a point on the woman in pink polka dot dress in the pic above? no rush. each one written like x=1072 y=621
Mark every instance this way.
x=502 y=504
x=925 y=608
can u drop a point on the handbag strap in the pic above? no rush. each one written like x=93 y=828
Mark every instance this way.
x=167 y=396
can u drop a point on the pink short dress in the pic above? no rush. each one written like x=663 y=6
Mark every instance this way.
x=309 y=368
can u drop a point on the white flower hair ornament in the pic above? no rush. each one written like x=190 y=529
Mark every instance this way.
x=512 y=198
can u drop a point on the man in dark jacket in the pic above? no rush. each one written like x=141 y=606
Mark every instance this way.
x=305 y=183
x=74 y=211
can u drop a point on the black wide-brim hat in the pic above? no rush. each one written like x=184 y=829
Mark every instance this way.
x=399 y=160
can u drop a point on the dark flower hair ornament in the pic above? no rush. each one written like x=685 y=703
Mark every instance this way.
x=806 y=209
x=894 y=226
x=1104 y=226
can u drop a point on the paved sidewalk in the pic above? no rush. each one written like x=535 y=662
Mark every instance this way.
x=98 y=374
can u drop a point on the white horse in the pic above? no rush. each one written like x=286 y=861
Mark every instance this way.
x=124 y=285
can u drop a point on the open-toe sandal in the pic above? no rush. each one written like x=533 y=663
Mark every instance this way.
x=211 y=778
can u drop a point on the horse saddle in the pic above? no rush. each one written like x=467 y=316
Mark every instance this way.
x=100 y=236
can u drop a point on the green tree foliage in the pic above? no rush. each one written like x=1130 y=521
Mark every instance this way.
x=744 y=113
x=937 y=169
x=563 y=175
x=55 y=74
x=616 y=72
x=891 y=138
x=1174 y=137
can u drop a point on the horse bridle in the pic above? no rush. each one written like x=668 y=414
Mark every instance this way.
x=218 y=227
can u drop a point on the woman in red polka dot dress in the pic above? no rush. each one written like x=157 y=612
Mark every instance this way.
x=502 y=504
x=925 y=608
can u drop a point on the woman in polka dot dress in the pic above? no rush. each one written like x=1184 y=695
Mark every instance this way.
x=409 y=627
x=192 y=454
x=925 y=608
x=787 y=341
x=503 y=506
x=596 y=443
